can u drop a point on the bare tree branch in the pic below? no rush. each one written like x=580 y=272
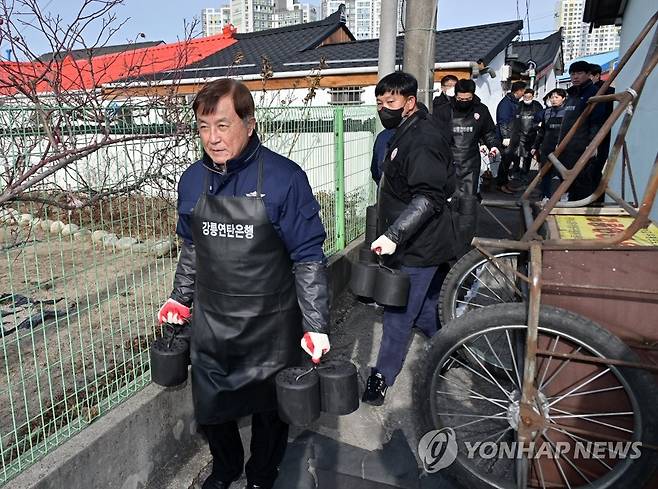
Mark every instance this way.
x=55 y=119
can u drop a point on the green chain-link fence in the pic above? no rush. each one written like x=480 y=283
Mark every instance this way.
x=80 y=288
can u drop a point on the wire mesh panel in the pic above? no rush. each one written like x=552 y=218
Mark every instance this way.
x=81 y=285
x=359 y=187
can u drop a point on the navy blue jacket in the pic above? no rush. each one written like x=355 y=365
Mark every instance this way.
x=379 y=150
x=577 y=97
x=289 y=201
x=505 y=115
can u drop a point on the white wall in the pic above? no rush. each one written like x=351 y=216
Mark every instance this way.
x=545 y=85
x=489 y=89
x=295 y=97
x=641 y=138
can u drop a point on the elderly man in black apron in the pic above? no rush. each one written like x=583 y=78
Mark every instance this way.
x=252 y=264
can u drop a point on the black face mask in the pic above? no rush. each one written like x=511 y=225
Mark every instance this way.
x=390 y=118
x=462 y=105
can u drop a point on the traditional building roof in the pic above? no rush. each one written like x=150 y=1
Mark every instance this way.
x=544 y=52
x=86 y=73
x=99 y=51
x=329 y=44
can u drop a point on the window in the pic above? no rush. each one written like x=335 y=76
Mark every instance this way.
x=346 y=96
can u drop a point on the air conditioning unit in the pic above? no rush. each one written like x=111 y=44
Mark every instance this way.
x=505 y=72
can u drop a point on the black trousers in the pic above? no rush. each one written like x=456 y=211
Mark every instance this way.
x=507 y=158
x=583 y=186
x=269 y=438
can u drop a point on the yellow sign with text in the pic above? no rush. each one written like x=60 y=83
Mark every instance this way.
x=601 y=227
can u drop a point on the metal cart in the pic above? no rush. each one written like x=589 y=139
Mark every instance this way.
x=545 y=374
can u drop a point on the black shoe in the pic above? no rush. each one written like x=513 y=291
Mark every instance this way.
x=214 y=483
x=375 y=389
x=251 y=485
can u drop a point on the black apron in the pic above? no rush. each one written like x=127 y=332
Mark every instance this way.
x=466 y=152
x=246 y=323
x=527 y=130
x=552 y=124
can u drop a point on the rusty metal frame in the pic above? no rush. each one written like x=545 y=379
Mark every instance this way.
x=531 y=421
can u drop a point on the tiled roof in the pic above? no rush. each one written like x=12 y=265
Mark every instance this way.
x=100 y=51
x=541 y=51
x=295 y=48
x=78 y=74
x=279 y=46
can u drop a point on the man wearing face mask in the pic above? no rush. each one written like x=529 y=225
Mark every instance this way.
x=524 y=131
x=379 y=150
x=414 y=222
x=471 y=123
x=604 y=148
x=448 y=83
x=578 y=94
x=505 y=117
x=547 y=138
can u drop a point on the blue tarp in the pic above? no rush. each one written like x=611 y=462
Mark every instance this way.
x=607 y=61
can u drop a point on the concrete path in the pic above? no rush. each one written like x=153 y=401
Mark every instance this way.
x=374 y=447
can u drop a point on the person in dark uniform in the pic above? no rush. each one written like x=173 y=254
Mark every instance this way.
x=414 y=222
x=505 y=117
x=524 y=132
x=547 y=138
x=448 y=83
x=603 y=150
x=379 y=150
x=578 y=94
x=252 y=263
x=471 y=123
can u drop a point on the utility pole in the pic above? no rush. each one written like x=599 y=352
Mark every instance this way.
x=419 y=33
x=387 y=36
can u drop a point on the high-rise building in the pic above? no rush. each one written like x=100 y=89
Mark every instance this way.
x=283 y=18
x=256 y=15
x=213 y=20
x=252 y=15
x=290 y=12
x=310 y=12
x=328 y=7
x=363 y=16
x=578 y=40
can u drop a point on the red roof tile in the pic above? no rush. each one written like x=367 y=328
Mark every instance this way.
x=71 y=74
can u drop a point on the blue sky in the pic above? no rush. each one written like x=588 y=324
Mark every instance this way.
x=163 y=19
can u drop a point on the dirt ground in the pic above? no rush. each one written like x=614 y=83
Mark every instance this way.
x=93 y=314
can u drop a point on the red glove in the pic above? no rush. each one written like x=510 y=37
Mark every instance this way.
x=173 y=312
x=315 y=344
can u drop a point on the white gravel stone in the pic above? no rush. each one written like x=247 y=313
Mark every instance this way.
x=70 y=229
x=161 y=247
x=97 y=236
x=8 y=216
x=140 y=248
x=126 y=243
x=110 y=240
x=82 y=235
x=56 y=227
x=45 y=224
x=25 y=220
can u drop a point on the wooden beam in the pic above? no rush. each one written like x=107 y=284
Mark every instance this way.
x=326 y=81
x=462 y=73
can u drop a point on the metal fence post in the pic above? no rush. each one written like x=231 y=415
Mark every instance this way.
x=339 y=177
